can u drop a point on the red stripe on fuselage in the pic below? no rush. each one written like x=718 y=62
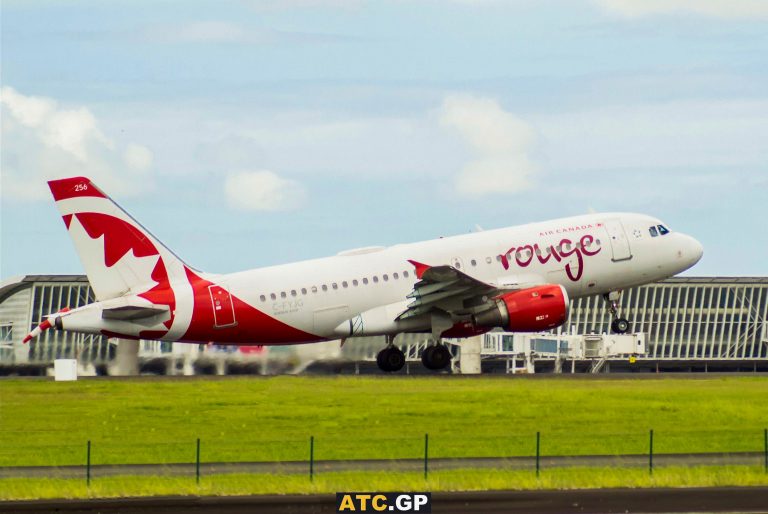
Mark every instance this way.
x=253 y=326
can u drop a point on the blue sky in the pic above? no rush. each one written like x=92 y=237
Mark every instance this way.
x=251 y=133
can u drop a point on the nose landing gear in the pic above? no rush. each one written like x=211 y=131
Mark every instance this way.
x=618 y=325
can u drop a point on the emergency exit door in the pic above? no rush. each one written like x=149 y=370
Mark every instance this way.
x=223 y=308
x=618 y=239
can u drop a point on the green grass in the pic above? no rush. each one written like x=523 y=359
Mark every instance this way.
x=456 y=480
x=263 y=419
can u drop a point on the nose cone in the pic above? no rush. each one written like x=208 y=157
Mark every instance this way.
x=691 y=250
x=697 y=251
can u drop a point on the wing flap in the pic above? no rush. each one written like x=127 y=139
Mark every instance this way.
x=443 y=288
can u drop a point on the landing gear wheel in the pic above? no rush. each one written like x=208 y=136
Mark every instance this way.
x=619 y=326
x=390 y=359
x=426 y=356
x=436 y=357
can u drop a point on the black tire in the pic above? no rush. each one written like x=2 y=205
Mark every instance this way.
x=381 y=360
x=426 y=357
x=620 y=326
x=394 y=359
x=441 y=357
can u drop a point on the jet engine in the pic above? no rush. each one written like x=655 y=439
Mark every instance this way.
x=528 y=310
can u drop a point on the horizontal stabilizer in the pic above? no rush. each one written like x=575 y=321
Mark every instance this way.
x=132 y=312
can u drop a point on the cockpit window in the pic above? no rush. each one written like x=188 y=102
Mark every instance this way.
x=663 y=230
x=653 y=231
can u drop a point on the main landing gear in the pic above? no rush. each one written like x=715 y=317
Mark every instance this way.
x=391 y=358
x=436 y=357
x=618 y=325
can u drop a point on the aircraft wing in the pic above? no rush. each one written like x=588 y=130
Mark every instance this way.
x=447 y=289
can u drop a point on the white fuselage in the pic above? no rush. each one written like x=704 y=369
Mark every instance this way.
x=317 y=295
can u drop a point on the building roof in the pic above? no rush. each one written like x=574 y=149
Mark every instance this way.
x=14 y=284
x=716 y=280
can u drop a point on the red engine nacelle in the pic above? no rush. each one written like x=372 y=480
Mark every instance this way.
x=528 y=310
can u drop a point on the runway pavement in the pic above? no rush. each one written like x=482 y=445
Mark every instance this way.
x=321 y=466
x=700 y=500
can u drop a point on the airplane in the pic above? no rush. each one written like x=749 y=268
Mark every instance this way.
x=520 y=279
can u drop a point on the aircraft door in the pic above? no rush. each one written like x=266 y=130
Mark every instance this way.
x=618 y=239
x=223 y=307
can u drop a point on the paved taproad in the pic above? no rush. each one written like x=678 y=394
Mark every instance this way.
x=327 y=466
x=592 y=501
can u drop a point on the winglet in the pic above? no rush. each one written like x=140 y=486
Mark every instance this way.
x=420 y=268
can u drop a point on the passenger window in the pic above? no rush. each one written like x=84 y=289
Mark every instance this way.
x=314 y=289
x=283 y=295
x=385 y=277
x=375 y=279
x=273 y=296
x=663 y=230
x=653 y=231
x=344 y=284
x=334 y=285
x=395 y=275
x=473 y=262
x=303 y=290
x=325 y=287
x=293 y=292
x=263 y=298
x=405 y=274
x=365 y=281
x=354 y=282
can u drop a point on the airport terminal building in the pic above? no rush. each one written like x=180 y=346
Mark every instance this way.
x=684 y=319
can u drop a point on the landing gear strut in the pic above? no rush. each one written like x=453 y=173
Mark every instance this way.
x=618 y=325
x=436 y=357
x=391 y=358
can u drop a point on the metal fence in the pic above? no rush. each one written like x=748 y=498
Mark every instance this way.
x=301 y=457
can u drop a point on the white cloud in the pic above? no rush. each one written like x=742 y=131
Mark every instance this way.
x=137 y=157
x=263 y=191
x=680 y=135
x=200 y=32
x=30 y=111
x=713 y=8
x=500 y=142
x=42 y=141
x=224 y=32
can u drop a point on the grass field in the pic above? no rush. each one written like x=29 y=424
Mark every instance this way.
x=455 y=480
x=263 y=419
